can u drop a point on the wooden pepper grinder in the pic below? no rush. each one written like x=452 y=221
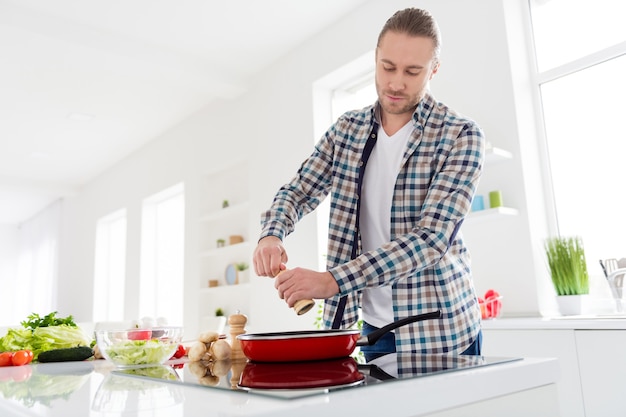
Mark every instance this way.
x=300 y=306
x=237 y=323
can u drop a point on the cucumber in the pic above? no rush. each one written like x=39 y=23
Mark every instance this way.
x=78 y=353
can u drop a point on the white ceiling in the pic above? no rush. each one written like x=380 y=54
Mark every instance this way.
x=85 y=83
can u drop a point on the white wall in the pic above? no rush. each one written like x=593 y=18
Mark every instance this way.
x=272 y=124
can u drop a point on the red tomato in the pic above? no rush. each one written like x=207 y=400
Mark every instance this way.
x=22 y=357
x=5 y=358
x=180 y=352
x=140 y=334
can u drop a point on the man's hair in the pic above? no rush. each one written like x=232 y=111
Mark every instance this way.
x=414 y=22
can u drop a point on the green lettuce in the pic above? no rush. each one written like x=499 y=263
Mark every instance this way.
x=140 y=352
x=43 y=339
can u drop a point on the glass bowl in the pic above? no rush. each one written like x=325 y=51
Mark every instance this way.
x=133 y=347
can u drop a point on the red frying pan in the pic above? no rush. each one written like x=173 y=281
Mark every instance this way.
x=297 y=346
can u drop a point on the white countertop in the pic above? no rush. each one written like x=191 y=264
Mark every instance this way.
x=89 y=389
x=586 y=322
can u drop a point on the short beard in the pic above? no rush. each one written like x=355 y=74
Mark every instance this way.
x=409 y=107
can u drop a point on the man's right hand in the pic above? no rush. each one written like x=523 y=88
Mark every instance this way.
x=269 y=257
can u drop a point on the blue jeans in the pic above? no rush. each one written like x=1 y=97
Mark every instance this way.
x=387 y=344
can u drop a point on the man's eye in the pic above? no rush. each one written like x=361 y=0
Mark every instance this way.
x=388 y=68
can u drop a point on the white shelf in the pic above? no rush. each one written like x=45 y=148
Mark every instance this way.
x=493 y=155
x=490 y=214
x=225 y=288
x=234 y=210
x=224 y=250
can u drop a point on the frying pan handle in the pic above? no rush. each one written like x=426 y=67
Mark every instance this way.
x=373 y=337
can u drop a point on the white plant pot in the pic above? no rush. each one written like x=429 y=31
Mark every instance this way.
x=571 y=305
x=243 y=276
x=213 y=324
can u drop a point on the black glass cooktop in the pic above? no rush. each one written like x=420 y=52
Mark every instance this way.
x=300 y=379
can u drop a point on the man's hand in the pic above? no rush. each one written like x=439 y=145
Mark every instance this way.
x=269 y=257
x=300 y=284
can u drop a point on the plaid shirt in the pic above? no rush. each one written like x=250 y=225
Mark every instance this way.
x=426 y=261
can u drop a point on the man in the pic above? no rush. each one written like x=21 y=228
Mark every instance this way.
x=401 y=175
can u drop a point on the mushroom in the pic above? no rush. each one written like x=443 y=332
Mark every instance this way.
x=208 y=337
x=220 y=350
x=198 y=352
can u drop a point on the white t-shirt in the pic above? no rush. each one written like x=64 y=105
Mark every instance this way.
x=379 y=181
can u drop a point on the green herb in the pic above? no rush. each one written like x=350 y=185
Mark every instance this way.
x=35 y=320
x=241 y=266
x=568 y=267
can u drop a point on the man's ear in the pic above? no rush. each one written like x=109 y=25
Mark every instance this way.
x=435 y=69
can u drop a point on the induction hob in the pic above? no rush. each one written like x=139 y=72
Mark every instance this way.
x=302 y=379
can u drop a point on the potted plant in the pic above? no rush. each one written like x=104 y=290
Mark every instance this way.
x=242 y=272
x=568 y=270
x=216 y=323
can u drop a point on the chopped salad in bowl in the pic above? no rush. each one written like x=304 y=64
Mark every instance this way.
x=132 y=347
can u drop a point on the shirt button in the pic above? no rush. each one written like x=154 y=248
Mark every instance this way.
x=360 y=163
x=373 y=135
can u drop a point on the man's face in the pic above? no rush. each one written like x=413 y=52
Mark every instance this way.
x=404 y=65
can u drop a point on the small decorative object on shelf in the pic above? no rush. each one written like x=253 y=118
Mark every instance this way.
x=478 y=203
x=242 y=272
x=213 y=283
x=225 y=204
x=234 y=239
x=221 y=243
x=219 y=312
x=495 y=199
x=231 y=275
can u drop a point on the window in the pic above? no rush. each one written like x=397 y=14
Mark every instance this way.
x=162 y=255
x=580 y=76
x=110 y=267
x=32 y=288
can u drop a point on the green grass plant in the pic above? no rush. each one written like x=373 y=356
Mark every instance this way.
x=568 y=266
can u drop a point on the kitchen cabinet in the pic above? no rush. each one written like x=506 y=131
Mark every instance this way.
x=590 y=353
x=602 y=371
x=224 y=240
x=543 y=343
